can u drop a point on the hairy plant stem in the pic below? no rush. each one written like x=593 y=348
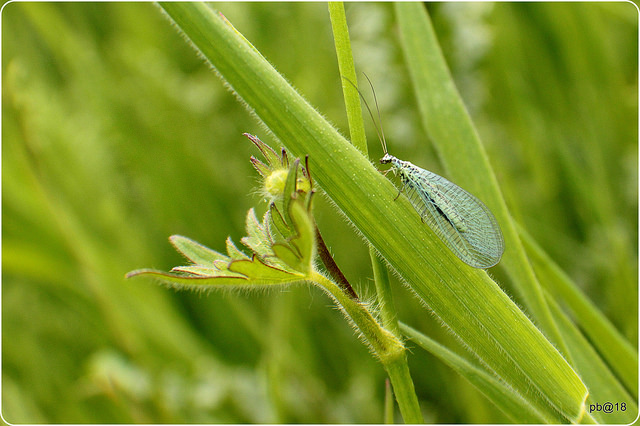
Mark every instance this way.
x=385 y=345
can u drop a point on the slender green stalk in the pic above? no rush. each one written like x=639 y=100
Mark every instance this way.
x=399 y=370
x=348 y=70
x=385 y=296
x=388 y=403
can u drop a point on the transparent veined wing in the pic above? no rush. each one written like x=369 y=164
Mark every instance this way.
x=459 y=219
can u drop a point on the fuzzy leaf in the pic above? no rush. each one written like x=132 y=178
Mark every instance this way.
x=307 y=199
x=288 y=261
x=257 y=239
x=261 y=273
x=196 y=252
x=290 y=257
x=238 y=273
x=290 y=188
x=234 y=252
x=220 y=270
x=277 y=225
x=262 y=168
x=193 y=282
x=269 y=154
x=197 y=270
x=304 y=241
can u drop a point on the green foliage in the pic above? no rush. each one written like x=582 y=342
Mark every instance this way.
x=116 y=134
x=282 y=250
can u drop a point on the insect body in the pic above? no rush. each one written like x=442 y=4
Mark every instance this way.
x=458 y=218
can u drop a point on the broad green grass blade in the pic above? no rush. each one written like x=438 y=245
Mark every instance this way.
x=604 y=386
x=466 y=300
x=498 y=392
x=617 y=351
x=450 y=128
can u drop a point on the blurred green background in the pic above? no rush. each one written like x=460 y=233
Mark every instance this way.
x=115 y=135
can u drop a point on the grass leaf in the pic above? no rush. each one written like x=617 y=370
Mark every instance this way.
x=512 y=404
x=616 y=350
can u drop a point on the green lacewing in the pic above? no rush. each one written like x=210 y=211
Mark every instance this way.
x=463 y=222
